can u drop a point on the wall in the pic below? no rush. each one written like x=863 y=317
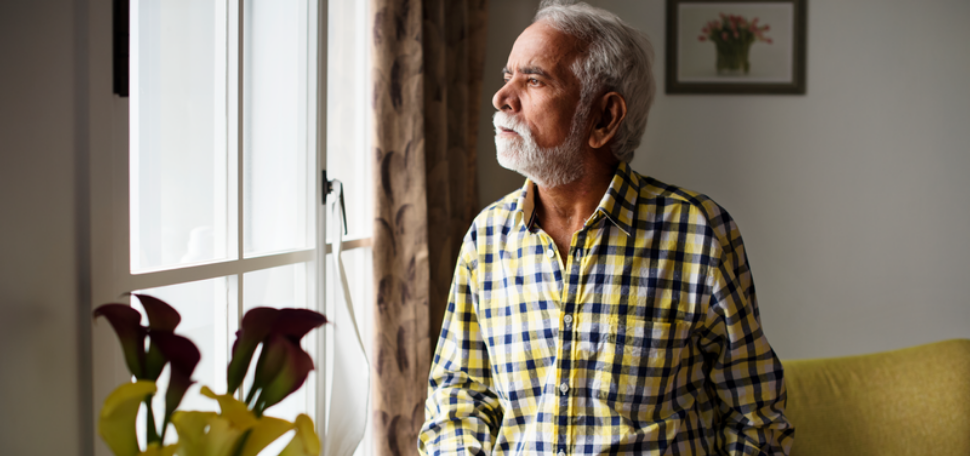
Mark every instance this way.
x=852 y=198
x=41 y=381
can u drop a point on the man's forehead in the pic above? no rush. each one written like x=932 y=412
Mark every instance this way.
x=542 y=49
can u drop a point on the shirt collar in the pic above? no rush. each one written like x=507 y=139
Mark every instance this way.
x=619 y=204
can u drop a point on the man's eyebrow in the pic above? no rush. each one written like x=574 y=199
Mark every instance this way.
x=526 y=70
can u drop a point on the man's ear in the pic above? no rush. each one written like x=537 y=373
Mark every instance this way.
x=609 y=111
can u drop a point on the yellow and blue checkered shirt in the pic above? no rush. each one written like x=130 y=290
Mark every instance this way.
x=644 y=339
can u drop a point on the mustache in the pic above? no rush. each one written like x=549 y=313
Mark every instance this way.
x=503 y=120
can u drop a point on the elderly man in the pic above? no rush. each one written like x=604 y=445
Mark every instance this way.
x=596 y=310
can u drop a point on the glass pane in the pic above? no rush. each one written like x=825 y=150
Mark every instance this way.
x=178 y=133
x=203 y=306
x=276 y=158
x=280 y=287
x=349 y=153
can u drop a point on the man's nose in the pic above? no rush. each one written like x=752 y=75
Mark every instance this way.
x=505 y=99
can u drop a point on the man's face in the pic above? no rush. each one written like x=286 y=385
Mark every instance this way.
x=538 y=126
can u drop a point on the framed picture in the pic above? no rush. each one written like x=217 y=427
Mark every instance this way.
x=754 y=46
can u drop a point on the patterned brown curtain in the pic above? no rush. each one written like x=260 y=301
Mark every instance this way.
x=427 y=57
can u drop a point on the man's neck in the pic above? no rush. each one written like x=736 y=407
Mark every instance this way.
x=563 y=210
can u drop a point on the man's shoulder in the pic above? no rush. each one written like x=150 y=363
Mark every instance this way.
x=656 y=192
x=659 y=198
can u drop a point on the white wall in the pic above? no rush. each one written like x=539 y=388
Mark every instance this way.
x=852 y=199
x=40 y=309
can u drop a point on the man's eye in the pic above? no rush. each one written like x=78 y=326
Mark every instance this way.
x=533 y=81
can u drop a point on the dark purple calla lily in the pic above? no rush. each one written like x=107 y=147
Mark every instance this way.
x=296 y=323
x=161 y=318
x=184 y=356
x=294 y=373
x=256 y=325
x=271 y=361
x=127 y=325
x=282 y=362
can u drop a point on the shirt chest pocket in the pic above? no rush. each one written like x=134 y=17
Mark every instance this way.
x=631 y=365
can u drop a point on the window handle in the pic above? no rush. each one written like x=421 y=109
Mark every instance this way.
x=334 y=185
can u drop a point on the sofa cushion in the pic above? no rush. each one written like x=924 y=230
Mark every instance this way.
x=914 y=401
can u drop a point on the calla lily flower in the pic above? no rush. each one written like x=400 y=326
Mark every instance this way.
x=127 y=325
x=256 y=325
x=209 y=434
x=296 y=367
x=162 y=318
x=184 y=356
x=305 y=442
x=261 y=431
x=165 y=346
x=117 y=422
x=282 y=363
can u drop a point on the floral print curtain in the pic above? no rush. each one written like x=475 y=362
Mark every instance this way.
x=427 y=58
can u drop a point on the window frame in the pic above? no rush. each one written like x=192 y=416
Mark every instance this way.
x=110 y=260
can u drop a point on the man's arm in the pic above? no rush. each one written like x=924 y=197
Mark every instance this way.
x=745 y=375
x=462 y=413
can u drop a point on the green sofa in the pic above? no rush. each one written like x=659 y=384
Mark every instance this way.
x=914 y=401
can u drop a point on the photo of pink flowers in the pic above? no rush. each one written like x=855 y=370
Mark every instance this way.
x=735 y=47
x=733 y=36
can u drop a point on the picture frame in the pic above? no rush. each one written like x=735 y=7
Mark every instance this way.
x=736 y=47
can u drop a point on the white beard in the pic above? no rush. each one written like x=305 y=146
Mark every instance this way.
x=547 y=167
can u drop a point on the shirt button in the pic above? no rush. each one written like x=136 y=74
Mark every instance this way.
x=550 y=253
x=563 y=387
x=561 y=453
x=567 y=319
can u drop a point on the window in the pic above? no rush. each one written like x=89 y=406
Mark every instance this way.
x=214 y=191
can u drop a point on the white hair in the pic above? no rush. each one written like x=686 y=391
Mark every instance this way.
x=618 y=58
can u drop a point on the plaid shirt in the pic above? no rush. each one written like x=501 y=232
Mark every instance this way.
x=644 y=339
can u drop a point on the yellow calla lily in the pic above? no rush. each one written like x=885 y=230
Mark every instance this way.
x=155 y=450
x=305 y=442
x=116 y=424
x=211 y=434
x=265 y=432
x=232 y=409
x=191 y=427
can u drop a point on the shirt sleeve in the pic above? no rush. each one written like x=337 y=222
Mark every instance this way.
x=746 y=377
x=462 y=413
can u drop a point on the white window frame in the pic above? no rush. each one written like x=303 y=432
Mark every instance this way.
x=111 y=275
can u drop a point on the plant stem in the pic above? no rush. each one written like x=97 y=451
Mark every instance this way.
x=152 y=432
x=251 y=395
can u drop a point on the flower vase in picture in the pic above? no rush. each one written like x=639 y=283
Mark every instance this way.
x=733 y=36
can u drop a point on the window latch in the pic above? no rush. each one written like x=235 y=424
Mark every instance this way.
x=329 y=187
